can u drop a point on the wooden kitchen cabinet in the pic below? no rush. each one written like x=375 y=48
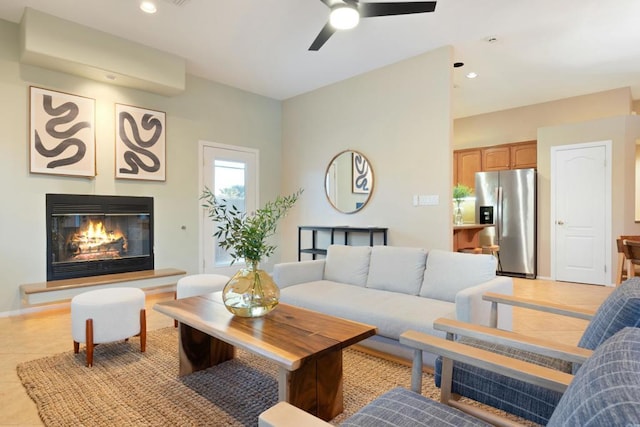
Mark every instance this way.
x=465 y=165
x=496 y=158
x=524 y=155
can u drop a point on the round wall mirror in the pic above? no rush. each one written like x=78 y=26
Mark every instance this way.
x=348 y=183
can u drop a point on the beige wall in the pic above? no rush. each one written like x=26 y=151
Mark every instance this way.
x=623 y=132
x=206 y=111
x=521 y=124
x=399 y=117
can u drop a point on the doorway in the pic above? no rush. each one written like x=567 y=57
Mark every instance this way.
x=230 y=172
x=581 y=213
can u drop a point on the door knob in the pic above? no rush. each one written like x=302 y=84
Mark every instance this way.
x=560 y=222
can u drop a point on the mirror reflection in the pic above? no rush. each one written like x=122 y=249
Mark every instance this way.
x=349 y=181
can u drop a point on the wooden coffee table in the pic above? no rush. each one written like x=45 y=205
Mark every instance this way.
x=306 y=346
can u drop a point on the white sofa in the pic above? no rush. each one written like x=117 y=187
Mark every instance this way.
x=395 y=289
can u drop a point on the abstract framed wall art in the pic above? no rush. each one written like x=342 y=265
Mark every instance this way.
x=361 y=174
x=62 y=139
x=140 y=143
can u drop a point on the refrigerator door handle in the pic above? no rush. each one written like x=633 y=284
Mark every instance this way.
x=499 y=213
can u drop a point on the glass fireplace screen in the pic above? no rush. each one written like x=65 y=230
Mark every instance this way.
x=81 y=238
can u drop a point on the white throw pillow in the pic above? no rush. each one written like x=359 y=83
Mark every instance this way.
x=396 y=269
x=347 y=264
x=450 y=272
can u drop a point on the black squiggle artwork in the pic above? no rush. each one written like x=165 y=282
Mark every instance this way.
x=63 y=114
x=361 y=173
x=139 y=146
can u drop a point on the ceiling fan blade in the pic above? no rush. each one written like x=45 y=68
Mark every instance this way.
x=385 y=9
x=326 y=32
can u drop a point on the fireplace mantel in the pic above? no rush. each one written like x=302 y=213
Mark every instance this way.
x=61 y=290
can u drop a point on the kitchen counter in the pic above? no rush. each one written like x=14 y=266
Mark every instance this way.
x=466 y=235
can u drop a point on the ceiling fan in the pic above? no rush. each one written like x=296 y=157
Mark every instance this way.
x=346 y=14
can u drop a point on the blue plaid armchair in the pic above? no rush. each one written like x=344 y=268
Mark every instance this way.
x=604 y=392
x=621 y=309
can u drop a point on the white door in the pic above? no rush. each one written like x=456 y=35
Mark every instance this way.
x=581 y=213
x=230 y=172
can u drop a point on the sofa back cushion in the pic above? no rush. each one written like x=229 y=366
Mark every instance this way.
x=606 y=390
x=347 y=264
x=447 y=273
x=396 y=269
x=620 y=309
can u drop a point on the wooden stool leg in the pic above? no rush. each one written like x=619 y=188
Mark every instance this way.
x=89 y=339
x=143 y=330
x=76 y=347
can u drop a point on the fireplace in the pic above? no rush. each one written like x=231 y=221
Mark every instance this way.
x=95 y=235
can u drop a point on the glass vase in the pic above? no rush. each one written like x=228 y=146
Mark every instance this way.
x=457 y=214
x=251 y=292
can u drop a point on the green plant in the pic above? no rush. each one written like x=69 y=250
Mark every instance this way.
x=461 y=191
x=244 y=235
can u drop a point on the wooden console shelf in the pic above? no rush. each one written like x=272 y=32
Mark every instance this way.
x=59 y=290
x=346 y=230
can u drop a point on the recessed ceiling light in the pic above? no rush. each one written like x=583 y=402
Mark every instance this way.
x=148 y=7
x=472 y=75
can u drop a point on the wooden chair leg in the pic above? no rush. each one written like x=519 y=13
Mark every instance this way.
x=175 y=322
x=620 y=268
x=143 y=330
x=76 y=347
x=89 y=340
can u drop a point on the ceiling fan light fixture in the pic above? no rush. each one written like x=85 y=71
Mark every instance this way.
x=344 y=17
x=148 y=7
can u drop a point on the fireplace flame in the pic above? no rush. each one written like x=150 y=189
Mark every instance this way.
x=94 y=241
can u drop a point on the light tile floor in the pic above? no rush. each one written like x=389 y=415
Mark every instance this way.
x=41 y=334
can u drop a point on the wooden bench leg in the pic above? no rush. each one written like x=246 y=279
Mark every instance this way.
x=89 y=340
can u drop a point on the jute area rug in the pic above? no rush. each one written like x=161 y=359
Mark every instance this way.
x=129 y=388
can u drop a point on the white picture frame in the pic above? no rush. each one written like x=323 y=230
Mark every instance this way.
x=140 y=143
x=62 y=137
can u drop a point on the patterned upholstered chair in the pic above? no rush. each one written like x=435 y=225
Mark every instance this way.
x=604 y=392
x=621 y=309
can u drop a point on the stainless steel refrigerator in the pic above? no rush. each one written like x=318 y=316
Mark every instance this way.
x=507 y=199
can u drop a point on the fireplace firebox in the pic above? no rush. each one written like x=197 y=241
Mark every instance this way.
x=91 y=235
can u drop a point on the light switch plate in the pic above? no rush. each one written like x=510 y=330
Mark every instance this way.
x=428 y=200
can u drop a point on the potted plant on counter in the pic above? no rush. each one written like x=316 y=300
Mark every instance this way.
x=460 y=192
x=251 y=292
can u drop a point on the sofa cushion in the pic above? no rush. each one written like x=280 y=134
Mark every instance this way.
x=606 y=390
x=400 y=407
x=620 y=309
x=391 y=312
x=347 y=264
x=396 y=269
x=447 y=273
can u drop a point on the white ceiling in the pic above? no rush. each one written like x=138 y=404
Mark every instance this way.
x=545 y=49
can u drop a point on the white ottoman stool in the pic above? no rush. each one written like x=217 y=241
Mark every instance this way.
x=107 y=315
x=200 y=284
